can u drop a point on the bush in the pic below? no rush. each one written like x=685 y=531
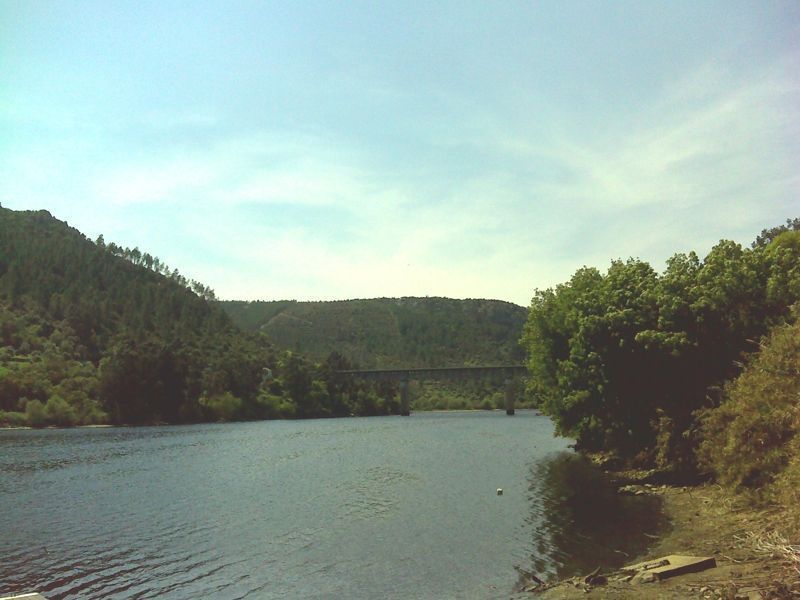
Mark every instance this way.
x=59 y=412
x=786 y=490
x=750 y=440
x=12 y=419
x=35 y=413
x=222 y=407
x=271 y=406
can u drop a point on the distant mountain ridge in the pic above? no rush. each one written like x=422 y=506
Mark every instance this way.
x=390 y=332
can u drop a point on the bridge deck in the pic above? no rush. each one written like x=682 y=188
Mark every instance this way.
x=437 y=372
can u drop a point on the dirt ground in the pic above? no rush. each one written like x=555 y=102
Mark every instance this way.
x=752 y=561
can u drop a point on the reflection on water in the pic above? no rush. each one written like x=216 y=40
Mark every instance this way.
x=582 y=522
x=385 y=507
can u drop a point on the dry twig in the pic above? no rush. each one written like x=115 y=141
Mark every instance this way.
x=774 y=544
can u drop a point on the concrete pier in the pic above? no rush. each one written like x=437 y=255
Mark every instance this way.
x=405 y=406
x=509 y=396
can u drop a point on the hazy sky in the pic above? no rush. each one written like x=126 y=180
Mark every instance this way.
x=323 y=150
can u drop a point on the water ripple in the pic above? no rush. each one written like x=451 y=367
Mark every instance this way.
x=351 y=508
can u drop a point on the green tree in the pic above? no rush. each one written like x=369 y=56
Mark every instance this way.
x=59 y=412
x=623 y=360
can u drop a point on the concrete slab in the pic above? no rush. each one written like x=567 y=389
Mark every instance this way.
x=672 y=565
x=33 y=596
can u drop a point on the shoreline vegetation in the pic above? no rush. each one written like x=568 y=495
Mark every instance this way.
x=163 y=424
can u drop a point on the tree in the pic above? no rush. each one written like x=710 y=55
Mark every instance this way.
x=623 y=360
x=298 y=380
x=767 y=235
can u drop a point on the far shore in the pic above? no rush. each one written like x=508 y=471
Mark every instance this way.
x=458 y=410
x=106 y=425
x=96 y=426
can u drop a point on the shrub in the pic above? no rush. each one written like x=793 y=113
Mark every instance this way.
x=59 y=412
x=222 y=407
x=271 y=406
x=35 y=413
x=12 y=419
x=786 y=490
x=487 y=404
x=750 y=441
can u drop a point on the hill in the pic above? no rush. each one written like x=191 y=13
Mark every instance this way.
x=391 y=332
x=94 y=333
x=399 y=332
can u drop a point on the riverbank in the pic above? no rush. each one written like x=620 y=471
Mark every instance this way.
x=747 y=543
x=95 y=426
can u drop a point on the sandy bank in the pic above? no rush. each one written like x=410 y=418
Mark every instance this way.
x=706 y=521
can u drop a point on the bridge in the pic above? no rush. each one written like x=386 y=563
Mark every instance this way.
x=403 y=376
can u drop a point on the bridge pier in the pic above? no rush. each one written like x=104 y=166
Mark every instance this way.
x=405 y=408
x=509 y=396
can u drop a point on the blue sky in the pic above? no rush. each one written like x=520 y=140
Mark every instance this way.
x=327 y=150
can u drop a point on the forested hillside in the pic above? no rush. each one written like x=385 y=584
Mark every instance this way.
x=628 y=360
x=400 y=332
x=391 y=332
x=95 y=333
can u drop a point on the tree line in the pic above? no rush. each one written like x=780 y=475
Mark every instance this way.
x=155 y=264
x=631 y=360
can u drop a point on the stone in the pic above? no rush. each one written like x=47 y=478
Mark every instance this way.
x=592 y=575
x=595 y=578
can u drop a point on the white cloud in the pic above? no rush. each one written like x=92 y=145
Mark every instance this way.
x=710 y=157
x=165 y=181
x=681 y=156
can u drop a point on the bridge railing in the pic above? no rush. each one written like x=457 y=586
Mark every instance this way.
x=436 y=372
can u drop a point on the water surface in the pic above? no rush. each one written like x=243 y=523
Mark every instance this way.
x=386 y=507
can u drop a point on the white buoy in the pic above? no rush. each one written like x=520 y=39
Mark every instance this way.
x=499 y=491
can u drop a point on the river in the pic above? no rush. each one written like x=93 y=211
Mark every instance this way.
x=382 y=507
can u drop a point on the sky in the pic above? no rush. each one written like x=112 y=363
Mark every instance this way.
x=332 y=150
